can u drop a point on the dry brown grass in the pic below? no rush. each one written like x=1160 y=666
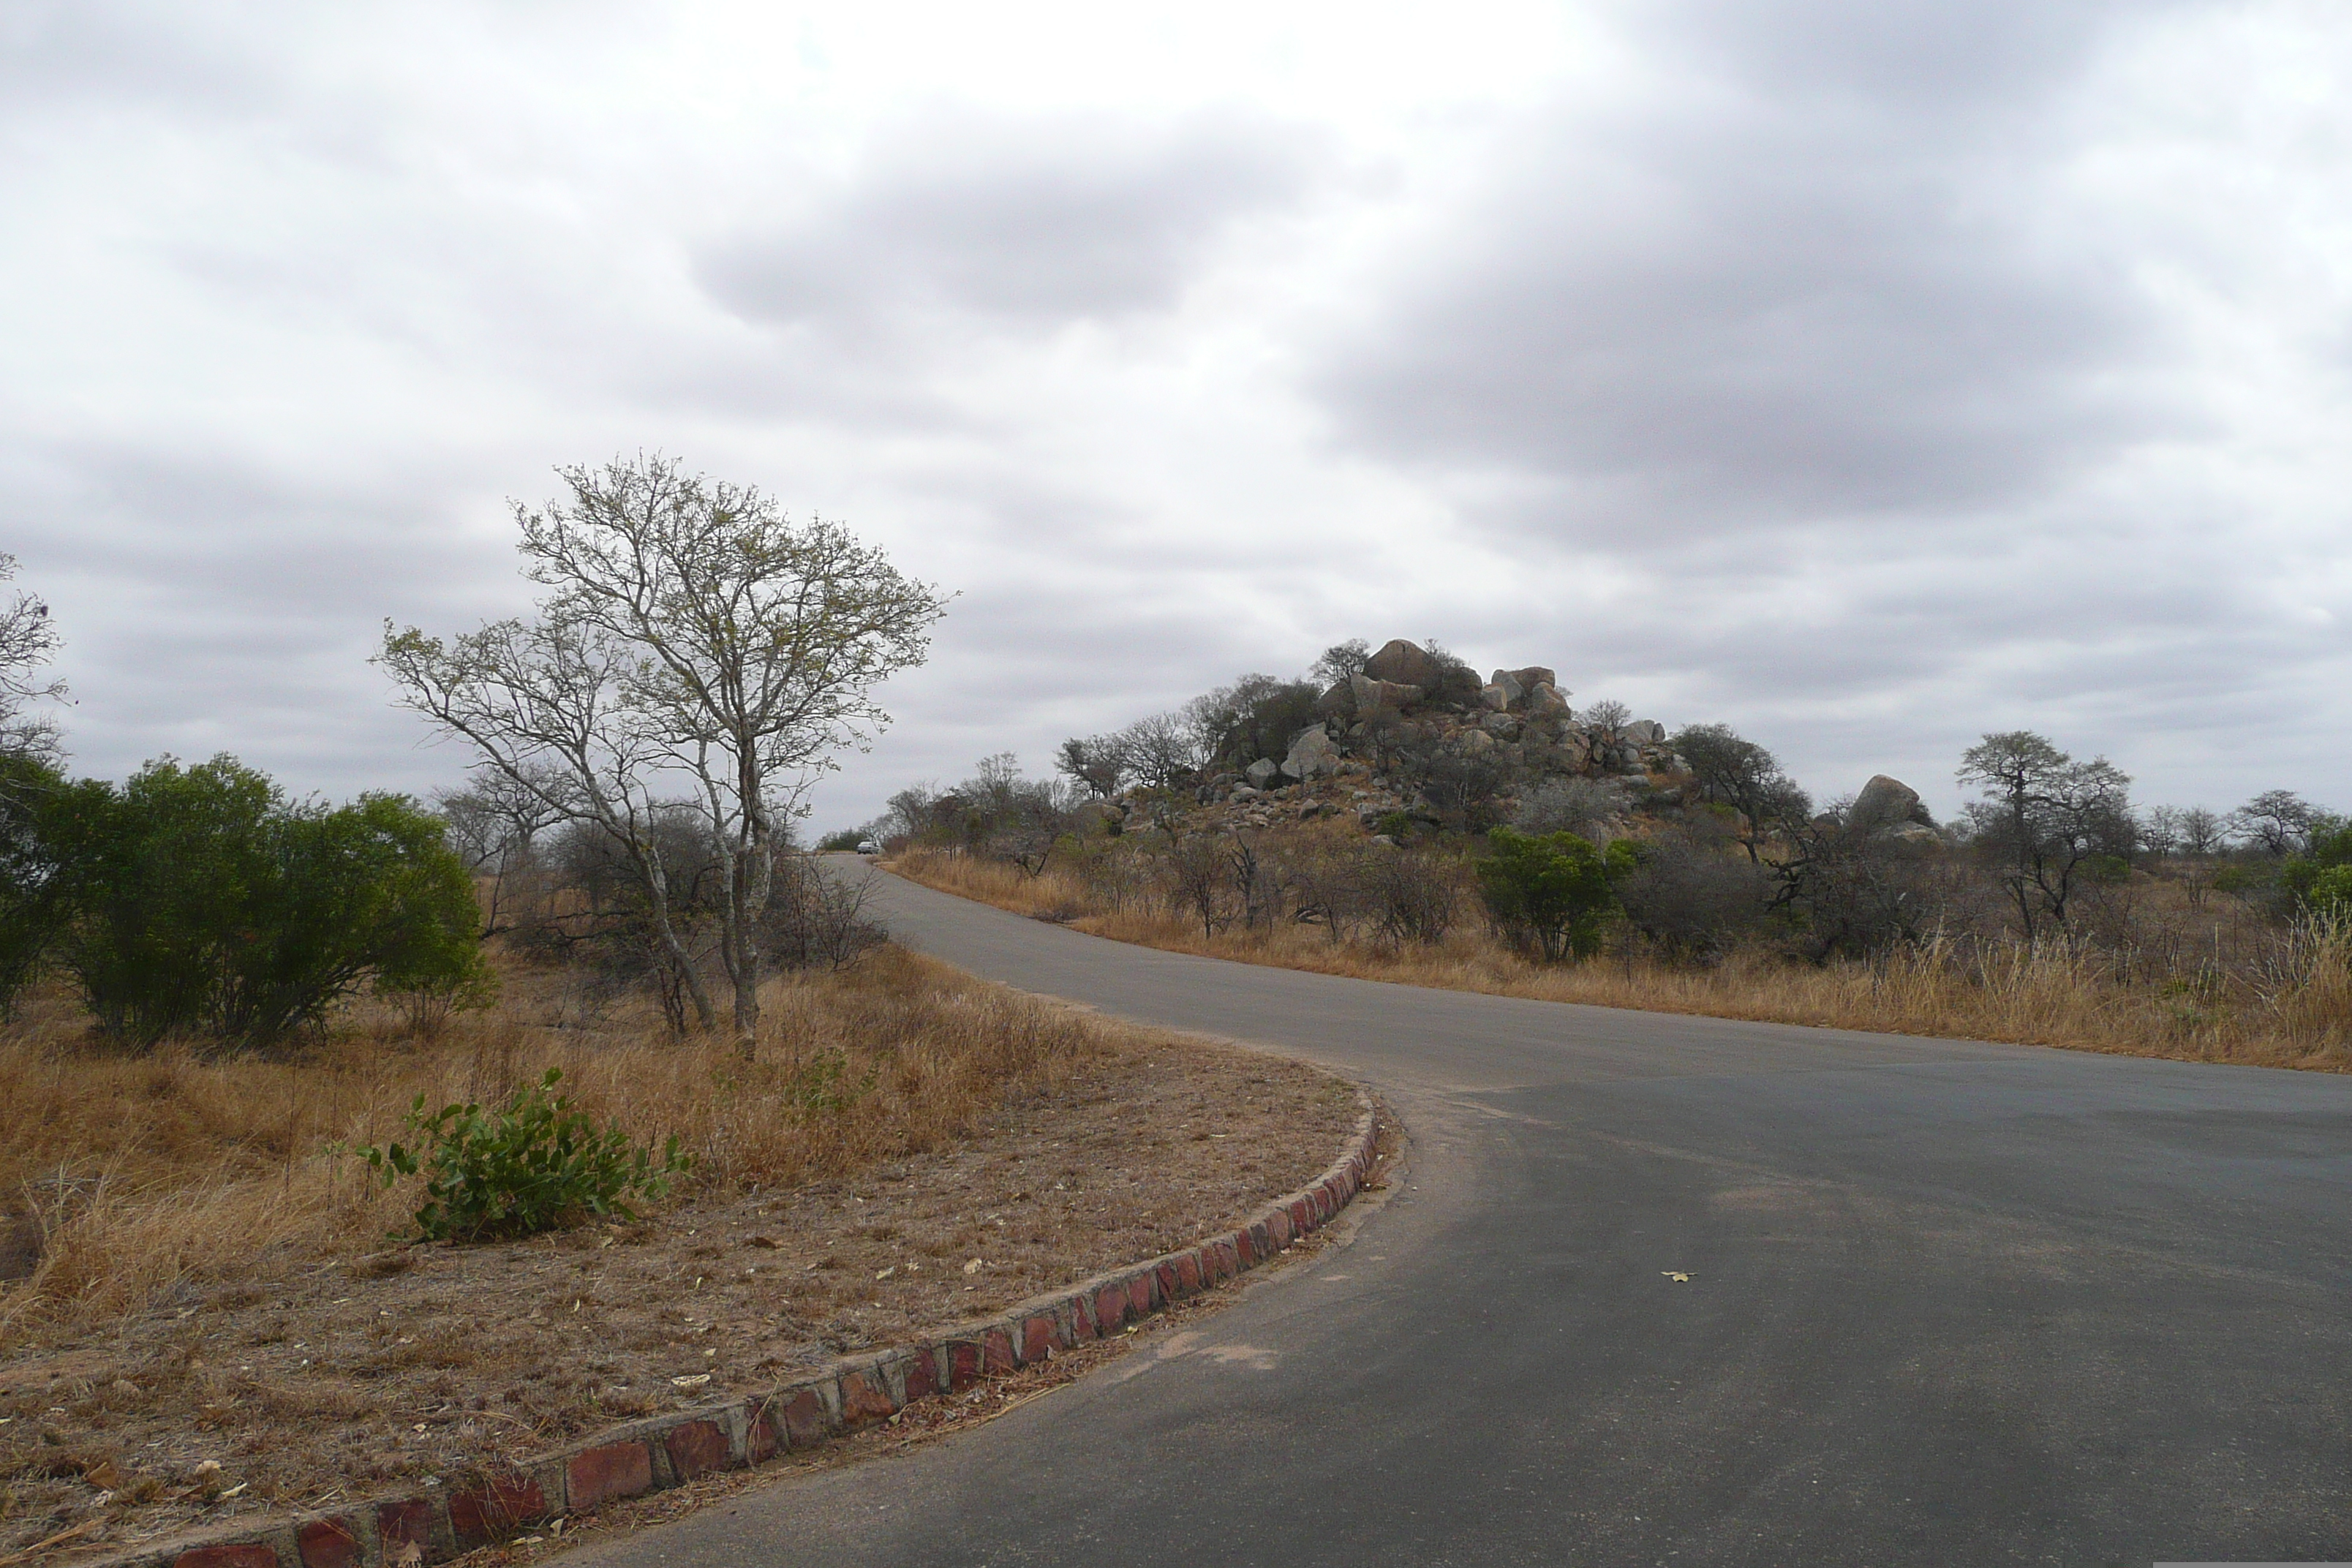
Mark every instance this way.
x=216 y=1326
x=139 y=1173
x=2293 y=1010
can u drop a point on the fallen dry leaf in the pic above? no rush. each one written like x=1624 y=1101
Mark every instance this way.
x=1677 y=1275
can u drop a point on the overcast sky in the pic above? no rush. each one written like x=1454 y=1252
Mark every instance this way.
x=1864 y=374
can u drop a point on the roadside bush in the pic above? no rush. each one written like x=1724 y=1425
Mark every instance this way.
x=534 y=1164
x=200 y=901
x=1411 y=895
x=1693 y=893
x=1551 y=894
x=813 y=921
x=2320 y=878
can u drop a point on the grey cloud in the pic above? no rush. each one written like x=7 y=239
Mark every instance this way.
x=1745 y=304
x=1027 y=225
x=1918 y=57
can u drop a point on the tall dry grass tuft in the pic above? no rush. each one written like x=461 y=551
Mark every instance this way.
x=2293 y=1008
x=146 y=1176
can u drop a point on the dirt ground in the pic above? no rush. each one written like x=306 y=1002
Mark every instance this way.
x=308 y=1383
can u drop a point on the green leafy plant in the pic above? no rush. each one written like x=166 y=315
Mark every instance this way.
x=819 y=1086
x=200 y=900
x=535 y=1164
x=1552 y=893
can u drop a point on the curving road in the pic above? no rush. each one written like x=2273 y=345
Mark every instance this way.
x=1948 y=1303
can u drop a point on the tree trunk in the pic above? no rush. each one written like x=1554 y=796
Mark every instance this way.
x=706 y=1015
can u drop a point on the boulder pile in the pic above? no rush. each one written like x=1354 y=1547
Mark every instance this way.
x=1386 y=740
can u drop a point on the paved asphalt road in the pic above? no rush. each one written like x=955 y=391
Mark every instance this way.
x=1950 y=1304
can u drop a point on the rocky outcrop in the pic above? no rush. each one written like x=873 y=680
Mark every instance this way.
x=1889 y=811
x=1378 y=699
x=1406 y=664
x=1886 y=804
x=1409 y=718
x=1313 y=754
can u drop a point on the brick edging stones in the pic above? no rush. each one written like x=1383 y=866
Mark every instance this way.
x=429 y=1525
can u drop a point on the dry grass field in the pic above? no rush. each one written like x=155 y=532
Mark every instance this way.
x=2285 y=1000
x=202 y=1315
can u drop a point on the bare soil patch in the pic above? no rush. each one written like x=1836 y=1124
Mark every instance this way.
x=315 y=1364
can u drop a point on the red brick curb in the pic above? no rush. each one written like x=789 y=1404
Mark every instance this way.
x=663 y=1451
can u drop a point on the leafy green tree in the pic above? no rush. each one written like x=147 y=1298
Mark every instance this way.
x=33 y=903
x=1553 y=893
x=201 y=901
x=2320 y=878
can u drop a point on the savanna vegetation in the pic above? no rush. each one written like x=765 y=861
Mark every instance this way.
x=1590 y=857
x=256 y=1048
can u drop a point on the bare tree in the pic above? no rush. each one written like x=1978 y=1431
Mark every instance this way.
x=541 y=703
x=2202 y=832
x=744 y=650
x=1742 y=774
x=1339 y=661
x=1162 y=749
x=1607 y=719
x=759 y=640
x=2277 y=820
x=2160 y=829
x=494 y=825
x=28 y=640
x=1589 y=808
x=2046 y=816
x=1099 y=762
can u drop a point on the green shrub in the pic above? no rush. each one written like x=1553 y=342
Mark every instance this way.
x=2320 y=878
x=848 y=838
x=200 y=900
x=1552 y=893
x=1396 y=825
x=33 y=884
x=534 y=1164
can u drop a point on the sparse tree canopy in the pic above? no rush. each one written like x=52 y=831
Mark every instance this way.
x=2277 y=821
x=1339 y=661
x=2200 y=832
x=1099 y=762
x=28 y=640
x=2045 y=816
x=1743 y=776
x=1162 y=751
x=692 y=633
